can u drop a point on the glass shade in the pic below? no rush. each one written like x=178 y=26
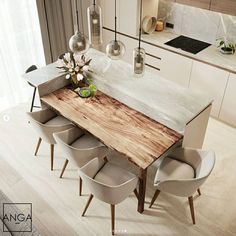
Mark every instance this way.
x=115 y=49
x=94 y=13
x=78 y=43
x=139 y=62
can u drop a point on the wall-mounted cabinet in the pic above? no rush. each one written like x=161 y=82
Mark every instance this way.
x=205 y=4
x=224 y=6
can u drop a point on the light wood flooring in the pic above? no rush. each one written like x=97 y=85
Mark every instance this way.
x=57 y=206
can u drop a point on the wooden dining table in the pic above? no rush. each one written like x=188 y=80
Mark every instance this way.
x=136 y=136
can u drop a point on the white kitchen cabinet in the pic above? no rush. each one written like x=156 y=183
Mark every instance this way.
x=128 y=17
x=228 y=109
x=176 y=68
x=209 y=80
x=108 y=13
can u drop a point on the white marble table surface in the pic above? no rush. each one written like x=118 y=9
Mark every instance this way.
x=156 y=97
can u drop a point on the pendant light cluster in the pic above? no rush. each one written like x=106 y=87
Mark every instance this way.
x=78 y=43
x=94 y=14
x=115 y=49
x=139 y=53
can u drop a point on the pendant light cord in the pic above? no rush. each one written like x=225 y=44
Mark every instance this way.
x=77 y=15
x=94 y=2
x=115 y=22
x=140 y=22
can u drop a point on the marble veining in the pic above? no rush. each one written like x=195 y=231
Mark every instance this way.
x=158 y=98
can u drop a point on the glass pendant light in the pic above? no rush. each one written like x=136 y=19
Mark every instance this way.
x=139 y=53
x=115 y=49
x=78 y=43
x=94 y=14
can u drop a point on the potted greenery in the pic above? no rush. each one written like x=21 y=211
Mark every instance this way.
x=226 y=47
x=76 y=69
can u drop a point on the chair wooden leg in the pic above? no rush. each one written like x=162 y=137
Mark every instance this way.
x=199 y=192
x=52 y=155
x=38 y=145
x=154 y=197
x=87 y=204
x=80 y=186
x=64 y=167
x=190 y=200
x=136 y=193
x=112 y=219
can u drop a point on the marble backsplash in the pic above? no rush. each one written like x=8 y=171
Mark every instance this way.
x=197 y=23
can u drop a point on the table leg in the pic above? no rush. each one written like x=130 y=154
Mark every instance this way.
x=142 y=189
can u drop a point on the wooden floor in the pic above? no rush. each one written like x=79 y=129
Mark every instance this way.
x=57 y=206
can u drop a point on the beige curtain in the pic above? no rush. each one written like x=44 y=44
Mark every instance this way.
x=57 y=26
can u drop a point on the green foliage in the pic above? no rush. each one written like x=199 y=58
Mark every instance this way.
x=93 y=88
x=226 y=45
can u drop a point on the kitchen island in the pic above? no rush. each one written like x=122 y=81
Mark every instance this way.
x=163 y=111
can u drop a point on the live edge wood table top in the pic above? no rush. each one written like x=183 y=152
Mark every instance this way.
x=121 y=128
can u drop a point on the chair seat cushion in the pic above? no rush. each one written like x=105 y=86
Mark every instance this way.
x=171 y=169
x=113 y=175
x=86 y=141
x=58 y=121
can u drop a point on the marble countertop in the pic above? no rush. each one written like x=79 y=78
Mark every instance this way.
x=210 y=55
x=154 y=96
x=43 y=74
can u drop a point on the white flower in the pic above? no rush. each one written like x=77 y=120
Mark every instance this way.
x=68 y=76
x=76 y=69
x=60 y=63
x=80 y=77
x=86 y=68
x=70 y=70
x=77 y=57
x=67 y=56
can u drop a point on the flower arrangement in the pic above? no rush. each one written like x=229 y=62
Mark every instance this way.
x=76 y=69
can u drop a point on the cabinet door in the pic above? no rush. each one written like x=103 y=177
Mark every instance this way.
x=128 y=17
x=224 y=6
x=228 y=109
x=108 y=13
x=205 y=4
x=176 y=68
x=209 y=80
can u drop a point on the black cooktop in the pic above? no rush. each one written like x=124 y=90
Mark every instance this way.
x=188 y=44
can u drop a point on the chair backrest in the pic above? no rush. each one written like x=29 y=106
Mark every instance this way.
x=202 y=162
x=109 y=194
x=30 y=69
x=80 y=156
x=38 y=120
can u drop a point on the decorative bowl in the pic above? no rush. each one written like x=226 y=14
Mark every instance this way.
x=149 y=24
x=84 y=92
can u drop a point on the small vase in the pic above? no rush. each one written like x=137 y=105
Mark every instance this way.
x=227 y=51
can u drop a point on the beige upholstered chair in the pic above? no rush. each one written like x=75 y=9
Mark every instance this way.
x=79 y=148
x=183 y=172
x=46 y=122
x=107 y=182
